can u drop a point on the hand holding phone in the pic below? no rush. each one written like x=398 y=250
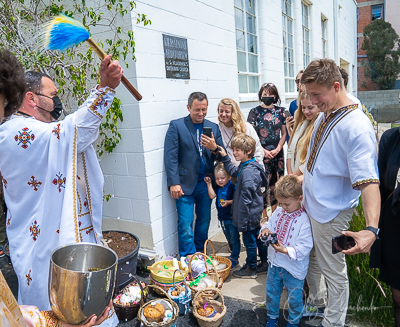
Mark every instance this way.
x=207 y=131
x=342 y=242
x=287 y=114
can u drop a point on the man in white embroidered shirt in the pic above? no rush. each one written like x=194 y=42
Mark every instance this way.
x=53 y=184
x=341 y=166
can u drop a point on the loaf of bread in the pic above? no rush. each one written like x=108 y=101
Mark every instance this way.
x=154 y=312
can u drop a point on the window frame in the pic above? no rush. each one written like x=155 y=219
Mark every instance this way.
x=306 y=29
x=248 y=53
x=289 y=80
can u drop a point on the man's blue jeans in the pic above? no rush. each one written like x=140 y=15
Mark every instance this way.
x=277 y=278
x=190 y=243
x=232 y=236
x=251 y=242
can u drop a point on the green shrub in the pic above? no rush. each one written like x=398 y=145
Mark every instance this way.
x=367 y=302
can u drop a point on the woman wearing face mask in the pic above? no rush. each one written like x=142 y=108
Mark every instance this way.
x=301 y=135
x=231 y=123
x=269 y=121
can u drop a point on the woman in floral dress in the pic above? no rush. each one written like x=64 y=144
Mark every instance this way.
x=269 y=121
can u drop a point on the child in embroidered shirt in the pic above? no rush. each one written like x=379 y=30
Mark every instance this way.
x=224 y=194
x=288 y=258
x=247 y=202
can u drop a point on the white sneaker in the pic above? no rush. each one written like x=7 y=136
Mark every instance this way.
x=311 y=311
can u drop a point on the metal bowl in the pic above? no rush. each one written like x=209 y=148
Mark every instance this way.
x=82 y=280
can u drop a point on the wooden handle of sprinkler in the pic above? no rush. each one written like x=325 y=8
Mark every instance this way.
x=124 y=80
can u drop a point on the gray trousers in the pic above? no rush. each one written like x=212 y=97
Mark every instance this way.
x=333 y=267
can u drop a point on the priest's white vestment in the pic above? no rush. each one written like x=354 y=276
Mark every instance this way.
x=53 y=188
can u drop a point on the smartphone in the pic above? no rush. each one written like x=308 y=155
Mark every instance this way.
x=342 y=242
x=207 y=131
x=287 y=113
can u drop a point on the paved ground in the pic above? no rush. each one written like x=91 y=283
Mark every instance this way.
x=245 y=299
x=239 y=312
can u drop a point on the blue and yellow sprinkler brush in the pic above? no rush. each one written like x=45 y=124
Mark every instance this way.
x=64 y=32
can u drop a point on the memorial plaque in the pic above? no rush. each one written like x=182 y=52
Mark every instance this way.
x=176 y=57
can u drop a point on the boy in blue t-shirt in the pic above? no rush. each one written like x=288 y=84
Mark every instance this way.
x=224 y=194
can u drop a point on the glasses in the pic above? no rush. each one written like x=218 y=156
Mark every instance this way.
x=43 y=95
x=297 y=81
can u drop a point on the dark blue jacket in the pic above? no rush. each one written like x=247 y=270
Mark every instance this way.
x=181 y=153
x=248 y=202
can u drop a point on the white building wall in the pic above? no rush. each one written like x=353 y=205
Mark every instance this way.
x=135 y=173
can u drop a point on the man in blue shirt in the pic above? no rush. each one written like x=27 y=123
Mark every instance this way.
x=189 y=157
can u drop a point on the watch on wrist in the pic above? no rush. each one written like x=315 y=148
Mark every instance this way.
x=216 y=149
x=373 y=230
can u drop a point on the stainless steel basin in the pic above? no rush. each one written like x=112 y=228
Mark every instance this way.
x=81 y=282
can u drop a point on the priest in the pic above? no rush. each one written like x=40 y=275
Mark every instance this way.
x=53 y=184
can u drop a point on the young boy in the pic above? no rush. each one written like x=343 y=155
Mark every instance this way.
x=288 y=258
x=224 y=194
x=247 y=202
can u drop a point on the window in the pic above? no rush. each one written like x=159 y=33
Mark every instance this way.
x=305 y=10
x=358 y=44
x=288 y=53
x=357 y=14
x=376 y=12
x=324 y=37
x=246 y=46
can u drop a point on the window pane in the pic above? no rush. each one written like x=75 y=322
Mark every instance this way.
x=239 y=19
x=241 y=61
x=240 y=40
x=286 y=69
x=253 y=64
x=288 y=9
x=239 y=3
x=250 y=6
x=289 y=26
x=284 y=38
x=291 y=57
x=251 y=43
x=253 y=84
x=286 y=85
x=285 y=58
x=376 y=12
x=290 y=39
x=291 y=70
x=291 y=86
x=243 y=84
x=251 y=24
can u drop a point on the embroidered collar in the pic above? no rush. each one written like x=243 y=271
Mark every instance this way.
x=293 y=214
x=348 y=107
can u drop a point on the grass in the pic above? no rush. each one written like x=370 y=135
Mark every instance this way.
x=367 y=302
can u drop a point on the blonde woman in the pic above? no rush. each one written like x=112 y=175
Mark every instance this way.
x=301 y=135
x=231 y=123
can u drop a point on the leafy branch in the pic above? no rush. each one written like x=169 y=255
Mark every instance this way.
x=76 y=69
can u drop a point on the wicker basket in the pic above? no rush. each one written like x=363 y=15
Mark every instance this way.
x=214 y=275
x=166 y=280
x=164 y=287
x=128 y=312
x=183 y=302
x=224 y=272
x=169 y=323
x=218 y=306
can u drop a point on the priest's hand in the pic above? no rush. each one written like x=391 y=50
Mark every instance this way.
x=110 y=73
x=93 y=321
